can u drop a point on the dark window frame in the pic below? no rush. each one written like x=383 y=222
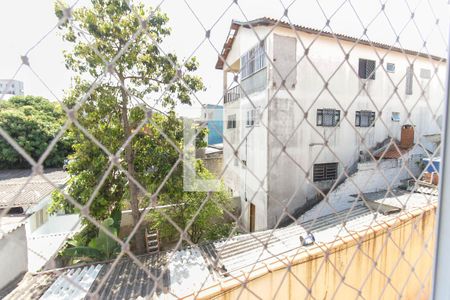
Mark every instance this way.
x=364 y=113
x=367 y=68
x=323 y=112
x=325 y=171
x=231 y=121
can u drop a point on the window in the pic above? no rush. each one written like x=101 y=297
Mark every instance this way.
x=328 y=117
x=409 y=80
x=231 y=121
x=252 y=118
x=323 y=172
x=366 y=69
x=390 y=67
x=364 y=118
x=253 y=61
x=395 y=116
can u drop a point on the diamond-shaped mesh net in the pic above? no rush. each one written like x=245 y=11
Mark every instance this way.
x=230 y=150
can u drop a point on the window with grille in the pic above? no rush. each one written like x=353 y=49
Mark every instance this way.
x=409 y=80
x=231 y=122
x=327 y=171
x=364 y=118
x=252 y=118
x=328 y=117
x=366 y=68
x=253 y=61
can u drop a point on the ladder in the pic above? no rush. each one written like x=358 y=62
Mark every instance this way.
x=153 y=241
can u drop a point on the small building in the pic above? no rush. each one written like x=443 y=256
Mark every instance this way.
x=307 y=104
x=213 y=116
x=25 y=199
x=11 y=87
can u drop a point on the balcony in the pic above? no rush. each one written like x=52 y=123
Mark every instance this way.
x=232 y=94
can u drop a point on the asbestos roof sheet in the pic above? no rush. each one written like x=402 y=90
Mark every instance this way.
x=9 y=223
x=20 y=188
x=266 y=21
x=186 y=271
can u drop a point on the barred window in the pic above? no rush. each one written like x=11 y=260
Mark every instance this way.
x=366 y=69
x=253 y=61
x=252 y=117
x=328 y=117
x=364 y=118
x=327 y=171
x=409 y=80
x=231 y=121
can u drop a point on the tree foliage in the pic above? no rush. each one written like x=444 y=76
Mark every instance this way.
x=112 y=114
x=33 y=123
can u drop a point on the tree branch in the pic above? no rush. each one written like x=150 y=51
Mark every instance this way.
x=143 y=78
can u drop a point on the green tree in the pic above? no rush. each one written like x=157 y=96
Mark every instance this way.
x=205 y=211
x=110 y=116
x=33 y=123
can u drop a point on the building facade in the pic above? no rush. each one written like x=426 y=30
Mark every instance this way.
x=11 y=87
x=306 y=105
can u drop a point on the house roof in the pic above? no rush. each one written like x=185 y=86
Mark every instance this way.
x=393 y=151
x=5 y=229
x=18 y=189
x=265 y=21
x=183 y=272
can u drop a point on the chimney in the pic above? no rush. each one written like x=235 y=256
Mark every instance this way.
x=407 y=137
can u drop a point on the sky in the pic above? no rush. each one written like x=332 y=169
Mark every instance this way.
x=23 y=23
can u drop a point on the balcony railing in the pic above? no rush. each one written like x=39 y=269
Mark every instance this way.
x=232 y=94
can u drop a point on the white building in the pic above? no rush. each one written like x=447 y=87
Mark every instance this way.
x=11 y=87
x=326 y=101
x=26 y=200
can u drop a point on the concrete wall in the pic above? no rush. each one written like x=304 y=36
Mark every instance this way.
x=214 y=164
x=314 y=275
x=13 y=254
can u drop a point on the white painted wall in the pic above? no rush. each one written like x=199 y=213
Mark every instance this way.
x=289 y=169
x=13 y=254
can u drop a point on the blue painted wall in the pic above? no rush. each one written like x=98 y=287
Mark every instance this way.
x=215 y=123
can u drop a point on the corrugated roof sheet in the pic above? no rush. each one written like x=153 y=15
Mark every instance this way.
x=188 y=270
x=7 y=229
x=265 y=21
x=15 y=191
x=392 y=152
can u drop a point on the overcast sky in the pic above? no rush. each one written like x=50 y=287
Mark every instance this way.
x=24 y=22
